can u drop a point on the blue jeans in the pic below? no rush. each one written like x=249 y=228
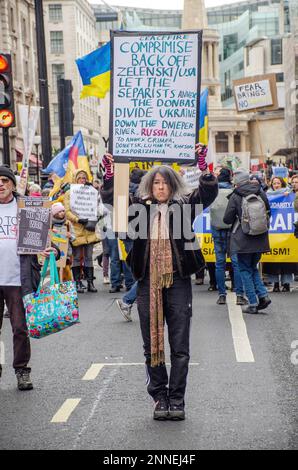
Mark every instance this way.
x=116 y=264
x=220 y=238
x=130 y=296
x=285 y=278
x=253 y=285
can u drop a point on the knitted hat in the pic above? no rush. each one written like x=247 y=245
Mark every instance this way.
x=241 y=176
x=57 y=207
x=6 y=171
x=225 y=175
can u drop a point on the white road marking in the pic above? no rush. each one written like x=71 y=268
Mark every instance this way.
x=242 y=346
x=93 y=372
x=65 y=410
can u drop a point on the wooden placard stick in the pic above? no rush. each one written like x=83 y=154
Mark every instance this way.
x=121 y=197
x=259 y=133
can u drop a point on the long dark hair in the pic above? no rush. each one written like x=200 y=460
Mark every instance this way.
x=175 y=182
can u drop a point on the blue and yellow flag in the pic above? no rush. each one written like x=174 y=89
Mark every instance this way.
x=203 y=132
x=64 y=166
x=95 y=71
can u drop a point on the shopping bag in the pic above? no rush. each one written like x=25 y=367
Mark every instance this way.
x=52 y=308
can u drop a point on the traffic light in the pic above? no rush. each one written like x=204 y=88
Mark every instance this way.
x=7 y=113
x=65 y=106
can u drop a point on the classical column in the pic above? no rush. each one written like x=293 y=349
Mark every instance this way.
x=210 y=61
x=243 y=141
x=216 y=61
x=231 y=142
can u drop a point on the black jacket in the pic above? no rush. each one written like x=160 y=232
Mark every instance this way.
x=187 y=256
x=240 y=242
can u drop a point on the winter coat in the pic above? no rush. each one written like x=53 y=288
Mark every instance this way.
x=188 y=259
x=239 y=241
x=82 y=236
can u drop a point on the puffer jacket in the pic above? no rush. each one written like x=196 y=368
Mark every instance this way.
x=82 y=236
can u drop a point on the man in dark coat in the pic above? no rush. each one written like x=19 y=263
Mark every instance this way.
x=248 y=248
x=19 y=275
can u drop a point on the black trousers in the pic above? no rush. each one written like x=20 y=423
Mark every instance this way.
x=12 y=295
x=177 y=308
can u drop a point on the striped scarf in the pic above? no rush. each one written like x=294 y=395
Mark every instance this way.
x=161 y=276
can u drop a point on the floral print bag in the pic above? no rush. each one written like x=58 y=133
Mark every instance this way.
x=52 y=308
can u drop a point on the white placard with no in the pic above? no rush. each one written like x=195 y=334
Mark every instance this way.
x=83 y=201
x=253 y=95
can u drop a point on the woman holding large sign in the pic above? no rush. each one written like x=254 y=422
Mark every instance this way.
x=163 y=263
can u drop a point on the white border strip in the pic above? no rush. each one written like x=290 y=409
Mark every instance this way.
x=242 y=346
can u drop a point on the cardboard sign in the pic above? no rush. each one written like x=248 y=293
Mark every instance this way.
x=191 y=177
x=34 y=225
x=155 y=95
x=256 y=93
x=84 y=201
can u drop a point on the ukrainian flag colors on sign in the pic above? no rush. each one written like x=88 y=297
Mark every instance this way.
x=283 y=244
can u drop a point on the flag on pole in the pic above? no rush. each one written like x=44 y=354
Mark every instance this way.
x=95 y=71
x=68 y=161
x=203 y=128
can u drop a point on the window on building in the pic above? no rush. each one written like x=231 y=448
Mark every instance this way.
x=237 y=143
x=24 y=30
x=12 y=22
x=230 y=45
x=55 y=12
x=280 y=77
x=26 y=73
x=56 y=114
x=56 y=38
x=57 y=73
x=276 y=51
x=222 y=142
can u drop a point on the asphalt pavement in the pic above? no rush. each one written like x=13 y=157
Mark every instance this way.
x=90 y=392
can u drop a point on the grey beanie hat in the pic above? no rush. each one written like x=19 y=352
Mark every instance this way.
x=241 y=176
x=6 y=171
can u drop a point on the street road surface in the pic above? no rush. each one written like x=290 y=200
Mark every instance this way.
x=90 y=393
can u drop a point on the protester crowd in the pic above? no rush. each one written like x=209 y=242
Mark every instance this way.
x=156 y=270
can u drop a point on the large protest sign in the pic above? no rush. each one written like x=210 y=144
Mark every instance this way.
x=84 y=201
x=34 y=225
x=155 y=94
x=256 y=93
x=283 y=244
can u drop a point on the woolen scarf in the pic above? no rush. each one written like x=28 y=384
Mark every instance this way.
x=161 y=276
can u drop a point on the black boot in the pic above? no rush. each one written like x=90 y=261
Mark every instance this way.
x=76 y=271
x=89 y=273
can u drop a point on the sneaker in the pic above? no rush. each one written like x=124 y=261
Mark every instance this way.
x=176 y=412
x=161 y=409
x=24 y=381
x=276 y=287
x=250 y=309
x=241 y=300
x=106 y=280
x=113 y=290
x=212 y=288
x=125 y=309
x=286 y=287
x=221 y=300
x=264 y=302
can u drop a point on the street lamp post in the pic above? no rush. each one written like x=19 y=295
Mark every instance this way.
x=37 y=142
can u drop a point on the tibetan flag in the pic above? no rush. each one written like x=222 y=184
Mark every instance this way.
x=95 y=71
x=203 y=132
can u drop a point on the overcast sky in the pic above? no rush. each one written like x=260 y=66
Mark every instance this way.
x=161 y=4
